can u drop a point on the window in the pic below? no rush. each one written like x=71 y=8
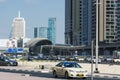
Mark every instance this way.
x=60 y=64
x=112 y=1
x=107 y=1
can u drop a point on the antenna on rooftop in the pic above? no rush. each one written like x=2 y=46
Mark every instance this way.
x=19 y=13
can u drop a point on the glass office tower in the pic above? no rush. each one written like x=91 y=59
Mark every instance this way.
x=40 y=32
x=43 y=32
x=51 y=34
x=78 y=22
x=68 y=22
x=35 y=32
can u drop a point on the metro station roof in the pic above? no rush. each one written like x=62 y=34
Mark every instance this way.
x=38 y=41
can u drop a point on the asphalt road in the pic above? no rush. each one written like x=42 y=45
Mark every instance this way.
x=29 y=71
x=24 y=75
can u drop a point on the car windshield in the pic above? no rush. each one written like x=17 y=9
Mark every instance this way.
x=6 y=59
x=72 y=65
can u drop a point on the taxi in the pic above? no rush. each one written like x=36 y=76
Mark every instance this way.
x=69 y=69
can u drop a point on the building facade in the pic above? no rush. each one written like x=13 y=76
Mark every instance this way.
x=78 y=22
x=35 y=32
x=68 y=22
x=43 y=32
x=18 y=27
x=108 y=17
x=83 y=21
x=110 y=21
x=40 y=32
x=51 y=34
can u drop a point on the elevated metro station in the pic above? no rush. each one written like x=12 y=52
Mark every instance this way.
x=45 y=46
x=34 y=45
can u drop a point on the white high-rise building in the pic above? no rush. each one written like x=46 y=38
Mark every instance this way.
x=18 y=27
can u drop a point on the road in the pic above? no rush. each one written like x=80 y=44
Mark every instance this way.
x=24 y=75
x=31 y=71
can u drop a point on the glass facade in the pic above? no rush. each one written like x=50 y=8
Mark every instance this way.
x=35 y=32
x=68 y=22
x=40 y=32
x=51 y=34
x=43 y=32
x=78 y=22
x=85 y=25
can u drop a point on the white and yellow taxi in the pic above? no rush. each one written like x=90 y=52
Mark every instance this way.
x=69 y=69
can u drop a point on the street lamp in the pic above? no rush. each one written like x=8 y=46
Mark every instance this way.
x=92 y=48
x=96 y=66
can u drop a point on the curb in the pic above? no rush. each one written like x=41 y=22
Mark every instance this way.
x=105 y=76
x=27 y=73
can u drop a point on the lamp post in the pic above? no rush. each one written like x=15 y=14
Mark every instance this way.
x=96 y=66
x=92 y=48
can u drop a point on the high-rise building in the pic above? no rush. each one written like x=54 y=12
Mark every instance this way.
x=108 y=17
x=81 y=15
x=35 y=32
x=78 y=22
x=40 y=32
x=43 y=32
x=18 y=27
x=51 y=34
x=68 y=22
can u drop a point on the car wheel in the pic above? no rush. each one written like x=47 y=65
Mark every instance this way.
x=54 y=74
x=16 y=64
x=66 y=75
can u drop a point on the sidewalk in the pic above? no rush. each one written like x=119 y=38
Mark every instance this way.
x=105 y=70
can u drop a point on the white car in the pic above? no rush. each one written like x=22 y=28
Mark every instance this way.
x=94 y=60
x=116 y=60
x=69 y=69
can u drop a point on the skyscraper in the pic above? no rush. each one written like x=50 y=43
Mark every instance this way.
x=40 y=32
x=68 y=22
x=18 y=27
x=43 y=32
x=51 y=34
x=109 y=20
x=35 y=32
x=78 y=22
x=80 y=17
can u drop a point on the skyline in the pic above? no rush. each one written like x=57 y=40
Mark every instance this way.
x=36 y=14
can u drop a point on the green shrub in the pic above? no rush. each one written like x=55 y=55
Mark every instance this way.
x=23 y=59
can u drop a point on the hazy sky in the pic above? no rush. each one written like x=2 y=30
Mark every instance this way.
x=35 y=13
